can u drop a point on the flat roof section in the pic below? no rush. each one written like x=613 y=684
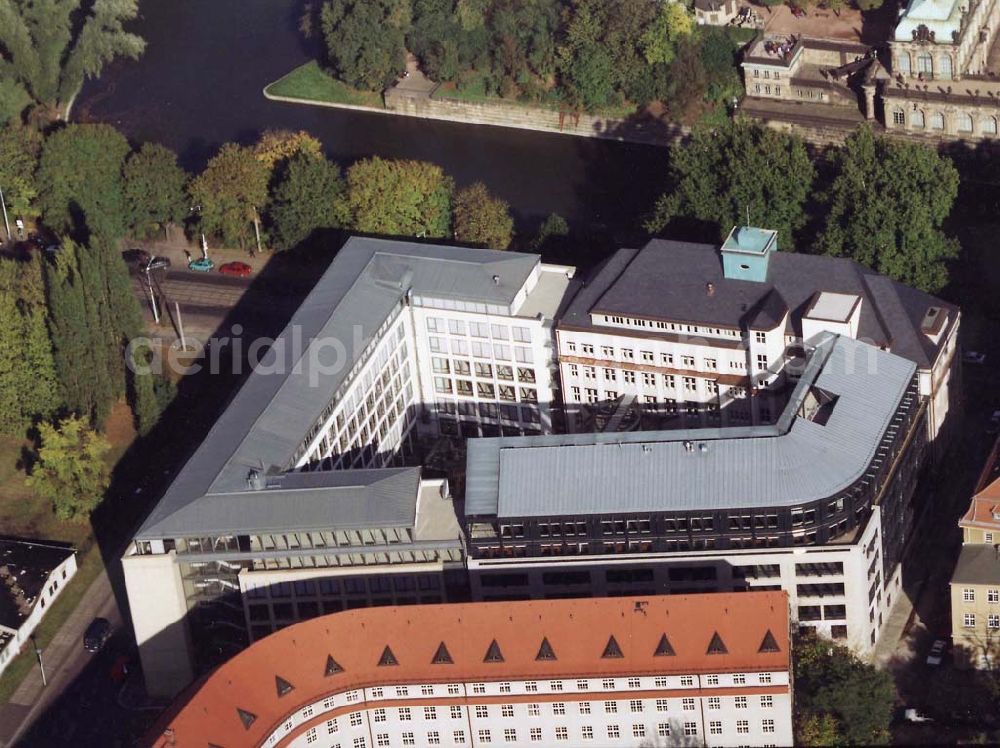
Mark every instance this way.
x=833 y=307
x=791 y=462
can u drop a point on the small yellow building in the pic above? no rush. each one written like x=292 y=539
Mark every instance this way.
x=975 y=583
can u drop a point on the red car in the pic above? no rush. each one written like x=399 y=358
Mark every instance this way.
x=237 y=269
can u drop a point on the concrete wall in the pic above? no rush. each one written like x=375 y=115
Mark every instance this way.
x=158 y=606
x=642 y=129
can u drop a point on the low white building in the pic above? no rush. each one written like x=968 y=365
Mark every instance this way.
x=33 y=573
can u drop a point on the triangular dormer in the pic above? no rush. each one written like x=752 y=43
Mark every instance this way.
x=493 y=653
x=247 y=718
x=770 y=644
x=442 y=656
x=717 y=646
x=545 y=651
x=282 y=686
x=612 y=650
x=332 y=667
x=387 y=658
x=664 y=649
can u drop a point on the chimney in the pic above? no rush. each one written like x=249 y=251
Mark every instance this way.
x=710 y=289
x=496 y=280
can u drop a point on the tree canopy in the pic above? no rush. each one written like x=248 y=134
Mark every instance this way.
x=20 y=148
x=885 y=208
x=49 y=47
x=838 y=694
x=80 y=184
x=229 y=194
x=365 y=41
x=71 y=471
x=399 y=198
x=723 y=173
x=480 y=218
x=155 y=189
x=309 y=195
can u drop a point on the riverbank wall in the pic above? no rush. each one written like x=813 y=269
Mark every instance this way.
x=644 y=129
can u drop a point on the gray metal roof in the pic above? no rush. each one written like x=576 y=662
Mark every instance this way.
x=265 y=422
x=791 y=462
x=668 y=280
x=977 y=564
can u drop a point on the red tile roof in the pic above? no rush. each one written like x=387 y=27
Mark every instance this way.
x=987 y=497
x=585 y=638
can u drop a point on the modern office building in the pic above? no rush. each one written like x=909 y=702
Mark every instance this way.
x=709 y=670
x=819 y=503
x=811 y=383
x=692 y=334
x=33 y=573
x=975 y=583
x=298 y=502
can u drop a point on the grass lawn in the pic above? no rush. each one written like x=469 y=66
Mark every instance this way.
x=24 y=515
x=310 y=82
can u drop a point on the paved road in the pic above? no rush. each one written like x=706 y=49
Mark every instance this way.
x=65 y=659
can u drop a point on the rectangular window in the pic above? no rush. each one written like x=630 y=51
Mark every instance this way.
x=638 y=731
x=458 y=736
x=993 y=621
x=559 y=708
x=715 y=728
x=613 y=732
x=433 y=738
x=408 y=738
x=766 y=702
x=430 y=712
x=584 y=707
x=610 y=707
x=767 y=725
x=740 y=702
x=485 y=736
x=535 y=733
x=635 y=705
x=455 y=711
x=562 y=733
x=663 y=729
x=533 y=710
x=690 y=728
x=587 y=732
x=509 y=735
x=687 y=705
x=687 y=680
x=742 y=726
x=714 y=702
x=969 y=595
x=992 y=595
x=482 y=711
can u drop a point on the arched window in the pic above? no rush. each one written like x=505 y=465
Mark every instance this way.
x=917 y=119
x=964 y=122
x=898 y=117
x=937 y=121
x=945 y=62
x=990 y=126
x=903 y=63
x=925 y=63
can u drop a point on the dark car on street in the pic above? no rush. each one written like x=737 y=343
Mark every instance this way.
x=97 y=635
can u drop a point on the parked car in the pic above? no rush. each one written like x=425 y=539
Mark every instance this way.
x=157 y=262
x=936 y=655
x=52 y=249
x=136 y=258
x=201 y=265
x=797 y=11
x=97 y=635
x=974 y=357
x=236 y=269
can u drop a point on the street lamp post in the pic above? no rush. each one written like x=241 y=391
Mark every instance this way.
x=38 y=654
x=6 y=223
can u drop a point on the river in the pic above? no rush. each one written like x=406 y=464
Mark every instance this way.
x=199 y=83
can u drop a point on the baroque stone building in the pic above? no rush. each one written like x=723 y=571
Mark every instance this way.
x=945 y=71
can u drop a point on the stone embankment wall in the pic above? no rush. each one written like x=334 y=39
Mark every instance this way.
x=638 y=129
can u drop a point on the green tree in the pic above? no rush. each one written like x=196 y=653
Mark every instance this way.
x=554 y=230
x=80 y=184
x=480 y=218
x=229 y=193
x=20 y=148
x=277 y=146
x=659 y=41
x=585 y=64
x=155 y=189
x=141 y=390
x=28 y=389
x=831 y=683
x=13 y=101
x=817 y=731
x=365 y=41
x=50 y=47
x=722 y=173
x=885 y=208
x=71 y=471
x=309 y=195
x=399 y=198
